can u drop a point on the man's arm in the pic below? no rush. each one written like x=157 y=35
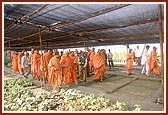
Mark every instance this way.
x=85 y=63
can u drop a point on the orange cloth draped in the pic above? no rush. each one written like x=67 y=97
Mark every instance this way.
x=99 y=66
x=153 y=65
x=54 y=72
x=36 y=65
x=19 y=63
x=31 y=62
x=91 y=57
x=74 y=61
x=15 y=63
x=66 y=69
x=129 y=62
x=44 y=65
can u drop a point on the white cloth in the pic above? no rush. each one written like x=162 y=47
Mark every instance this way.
x=138 y=53
x=144 y=60
x=25 y=61
x=145 y=57
x=110 y=56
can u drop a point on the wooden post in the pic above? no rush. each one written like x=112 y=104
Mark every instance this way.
x=10 y=59
x=41 y=50
x=40 y=38
x=9 y=51
x=161 y=50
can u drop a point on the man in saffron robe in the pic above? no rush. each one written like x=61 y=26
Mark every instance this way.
x=36 y=64
x=99 y=65
x=42 y=67
x=74 y=61
x=15 y=62
x=105 y=55
x=152 y=62
x=21 y=54
x=129 y=62
x=91 y=57
x=54 y=71
x=66 y=68
x=45 y=58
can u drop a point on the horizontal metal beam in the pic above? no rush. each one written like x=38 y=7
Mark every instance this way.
x=122 y=39
x=86 y=39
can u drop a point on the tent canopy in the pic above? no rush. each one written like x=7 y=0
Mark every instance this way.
x=79 y=25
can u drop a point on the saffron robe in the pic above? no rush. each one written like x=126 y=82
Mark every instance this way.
x=129 y=62
x=66 y=69
x=54 y=72
x=99 y=66
x=74 y=61
x=153 y=65
x=15 y=63
x=36 y=65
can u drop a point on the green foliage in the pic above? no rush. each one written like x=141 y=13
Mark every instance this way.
x=137 y=107
x=20 y=82
x=17 y=98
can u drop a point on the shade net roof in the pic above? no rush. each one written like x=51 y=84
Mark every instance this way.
x=79 y=25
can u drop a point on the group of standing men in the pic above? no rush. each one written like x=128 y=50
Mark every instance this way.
x=148 y=61
x=61 y=69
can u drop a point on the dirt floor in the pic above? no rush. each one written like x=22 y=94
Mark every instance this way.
x=133 y=89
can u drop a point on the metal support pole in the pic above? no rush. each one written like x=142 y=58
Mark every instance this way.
x=40 y=40
x=161 y=50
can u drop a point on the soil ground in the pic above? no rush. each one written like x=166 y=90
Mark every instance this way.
x=117 y=86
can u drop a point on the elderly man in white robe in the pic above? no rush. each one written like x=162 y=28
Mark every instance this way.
x=144 y=59
x=25 y=64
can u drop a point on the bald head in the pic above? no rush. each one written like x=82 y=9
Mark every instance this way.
x=66 y=53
